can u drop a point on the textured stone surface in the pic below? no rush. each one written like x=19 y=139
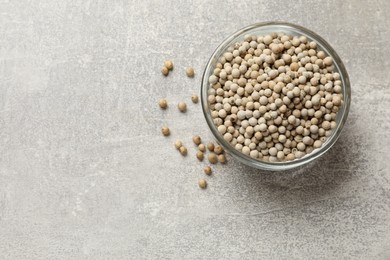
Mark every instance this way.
x=85 y=172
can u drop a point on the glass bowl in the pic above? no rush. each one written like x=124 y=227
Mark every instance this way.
x=296 y=30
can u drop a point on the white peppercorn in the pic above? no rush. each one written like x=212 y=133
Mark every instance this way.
x=182 y=106
x=183 y=150
x=222 y=158
x=301 y=146
x=165 y=131
x=222 y=129
x=254 y=154
x=307 y=140
x=290 y=157
x=314 y=129
x=168 y=64
x=213 y=79
x=326 y=125
x=199 y=155
x=280 y=155
x=178 y=144
x=228 y=137
x=164 y=70
x=163 y=103
x=189 y=72
x=202 y=183
x=246 y=150
x=194 y=99
x=218 y=149
x=202 y=147
x=207 y=170
x=196 y=139
x=212 y=157
x=317 y=144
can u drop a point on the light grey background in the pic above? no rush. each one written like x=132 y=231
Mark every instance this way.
x=86 y=174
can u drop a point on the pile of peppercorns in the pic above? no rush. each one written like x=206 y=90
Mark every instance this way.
x=275 y=97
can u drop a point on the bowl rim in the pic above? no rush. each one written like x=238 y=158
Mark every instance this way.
x=342 y=114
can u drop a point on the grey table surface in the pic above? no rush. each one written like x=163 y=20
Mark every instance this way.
x=86 y=174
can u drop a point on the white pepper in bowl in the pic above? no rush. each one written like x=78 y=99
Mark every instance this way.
x=275 y=97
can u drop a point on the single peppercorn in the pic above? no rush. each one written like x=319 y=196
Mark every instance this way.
x=222 y=158
x=199 y=155
x=210 y=146
x=165 y=131
x=202 y=183
x=218 y=149
x=168 y=64
x=196 y=139
x=178 y=144
x=190 y=72
x=195 y=99
x=163 y=103
x=164 y=71
x=182 y=106
x=212 y=157
x=183 y=150
x=207 y=170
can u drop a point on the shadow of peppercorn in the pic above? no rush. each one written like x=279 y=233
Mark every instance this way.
x=316 y=181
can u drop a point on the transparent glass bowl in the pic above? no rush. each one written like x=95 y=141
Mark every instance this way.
x=292 y=29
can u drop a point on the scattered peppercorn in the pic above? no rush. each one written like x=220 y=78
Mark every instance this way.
x=190 y=72
x=163 y=103
x=199 y=155
x=202 y=183
x=212 y=157
x=168 y=64
x=183 y=150
x=202 y=147
x=210 y=146
x=165 y=131
x=218 y=149
x=164 y=71
x=207 y=170
x=222 y=158
x=182 y=106
x=178 y=144
x=195 y=99
x=196 y=139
